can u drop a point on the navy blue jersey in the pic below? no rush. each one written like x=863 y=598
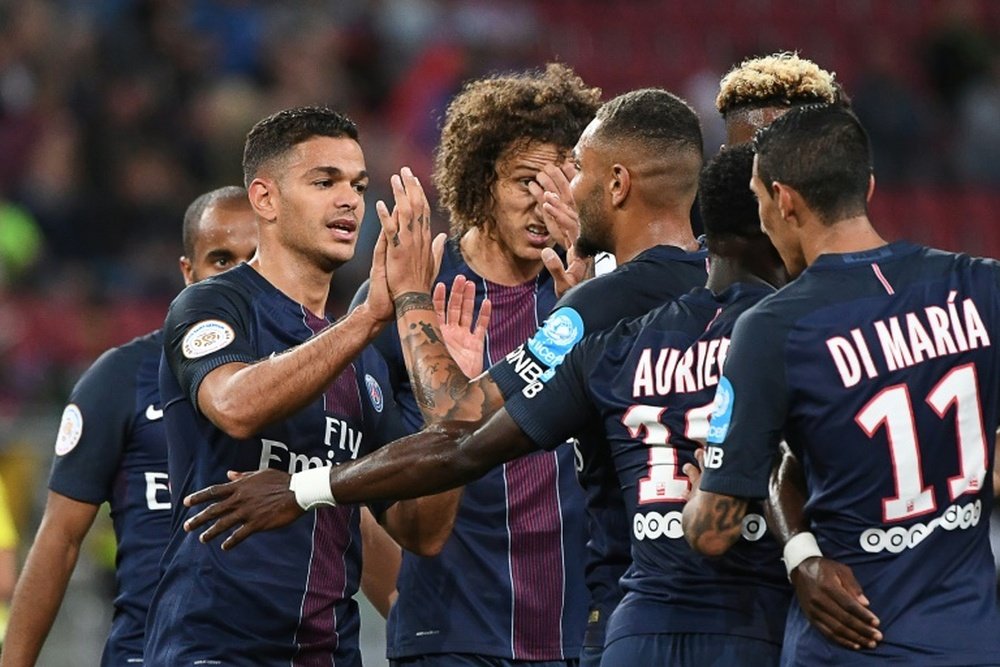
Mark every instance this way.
x=285 y=596
x=879 y=370
x=509 y=582
x=653 y=277
x=651 y=381
x=111 y=447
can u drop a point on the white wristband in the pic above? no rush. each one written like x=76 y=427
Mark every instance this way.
x=798 y=549
x=312 y=487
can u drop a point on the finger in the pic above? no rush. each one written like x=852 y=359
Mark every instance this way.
x=853 y=588
x=454 y=313
x=823 y=624
x=692 y=471
x=554 y=264
x=537 y=191
x=210 y=513
x=211 y=493
x=561 y=221
x=699 y=456
x=844 y=627
x=223 y=524
x=403 y=213
x=468 y=306
x=234 y=475
x=390 y=226
x=483 y=321
x=415 y=201
x=238 y=535
x=438 y=297
x=568 y=168
x=437 y=249
x=378 y=257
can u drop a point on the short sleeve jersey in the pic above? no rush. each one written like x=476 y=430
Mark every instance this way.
x=653 y=277
x=111 y=448
x=509 y=581
x=651 y=381
x=283 y=597
x=880 y=370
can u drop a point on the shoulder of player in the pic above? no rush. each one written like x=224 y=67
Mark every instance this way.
x=123 y=360
x=233 y=286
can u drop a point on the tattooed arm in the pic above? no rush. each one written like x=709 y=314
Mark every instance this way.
x=441 y=389
x=711 y=521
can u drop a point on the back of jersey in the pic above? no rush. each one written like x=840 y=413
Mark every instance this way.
x=891 y=384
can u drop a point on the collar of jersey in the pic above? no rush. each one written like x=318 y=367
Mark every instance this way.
x=847 y=260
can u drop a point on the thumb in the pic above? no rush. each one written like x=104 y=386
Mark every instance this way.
x=554 y=264
x=437 y=251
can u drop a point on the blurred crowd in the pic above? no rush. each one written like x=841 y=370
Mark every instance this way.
x=115 y=114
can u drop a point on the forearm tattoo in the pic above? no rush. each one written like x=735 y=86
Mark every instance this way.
x=719 y=516
x=404 y=303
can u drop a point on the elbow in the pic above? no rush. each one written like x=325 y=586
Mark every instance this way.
x=234 y=418
x=429 y=548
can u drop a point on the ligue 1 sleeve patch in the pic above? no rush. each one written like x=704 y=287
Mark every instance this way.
x=374 y=392
x=206 y=337
x=722 y=412
x=562 y=330
x=70 y=430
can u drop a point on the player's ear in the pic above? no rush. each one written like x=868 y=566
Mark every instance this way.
x=871 y=188
x=187 y=270
x=787 y=200
x=621 y=184
x=262 y=197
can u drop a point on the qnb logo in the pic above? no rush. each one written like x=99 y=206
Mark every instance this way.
x=653 y=525
x=897 y=539
x=713 y=457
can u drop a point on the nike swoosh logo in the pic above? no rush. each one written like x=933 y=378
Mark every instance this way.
x=152 y=414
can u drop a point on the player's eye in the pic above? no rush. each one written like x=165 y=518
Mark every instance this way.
x=526 y=182
x=361 y=187
x=323 y=183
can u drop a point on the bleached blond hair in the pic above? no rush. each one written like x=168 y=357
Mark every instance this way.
x=778 y=80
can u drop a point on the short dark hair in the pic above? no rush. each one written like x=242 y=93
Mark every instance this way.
x=493 y=114
x=725 y=200
x=823 y=152
x=280 y=132
x=196 y=210
x=653 y=117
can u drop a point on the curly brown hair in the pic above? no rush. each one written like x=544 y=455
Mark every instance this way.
x=495 y=114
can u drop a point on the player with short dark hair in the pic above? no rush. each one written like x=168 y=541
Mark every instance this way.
x=111 y=448
x=875 y=365
x=648 y=383
x=256 y=377
x=636 y=197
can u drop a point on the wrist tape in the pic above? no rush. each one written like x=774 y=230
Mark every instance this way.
x=312 y=488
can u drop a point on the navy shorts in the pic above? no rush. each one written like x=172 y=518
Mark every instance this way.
x=690 y=650
x=471 y=660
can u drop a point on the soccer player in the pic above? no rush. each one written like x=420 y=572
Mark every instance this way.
x=637 y=173
x=758 y=90
x=509 y=583
x=638 y=165
x=111 y=447
x=256 y=377
x=876 y=365
x=649 y=384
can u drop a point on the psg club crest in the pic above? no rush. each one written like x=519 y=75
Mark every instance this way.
x=374 y=392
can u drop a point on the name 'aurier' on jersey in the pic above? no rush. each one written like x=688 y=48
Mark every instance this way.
x=283 y=597
x=881 y=370
x=652 y=380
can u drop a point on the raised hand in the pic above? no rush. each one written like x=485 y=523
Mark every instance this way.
x=552 y=191
x=252 y=502
x=412 y=259
x=464 y=341
x=832 y=600
x=575 y=271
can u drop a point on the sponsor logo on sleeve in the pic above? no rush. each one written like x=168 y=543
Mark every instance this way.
x=152 y=414
x=722 y=413
x=206 y=337
x=374 y=392
x=561 y=331
x=70 y=430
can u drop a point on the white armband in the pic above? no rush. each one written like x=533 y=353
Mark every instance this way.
x=312 y=487
x=799 y=548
